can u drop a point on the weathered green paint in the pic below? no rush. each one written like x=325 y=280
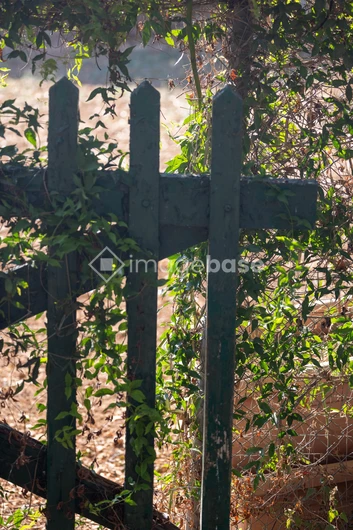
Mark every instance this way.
x=184 y=202
x=61 y=315
x=166 y=214
x=142 y=297
x=221 y=304
x=183 y=220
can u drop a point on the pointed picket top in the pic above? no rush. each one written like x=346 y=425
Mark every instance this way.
x=226 y=126
x=228 y=108
x=228 y=93
x=64 y=86
x=62 y=135
x=146 y=90
x=144 y=126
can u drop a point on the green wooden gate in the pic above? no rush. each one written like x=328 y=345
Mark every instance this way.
x=165 y=214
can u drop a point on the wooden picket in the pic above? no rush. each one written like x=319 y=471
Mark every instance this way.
x=165 y=214
x=221 y=300
x=142 y=299
x=61 y=313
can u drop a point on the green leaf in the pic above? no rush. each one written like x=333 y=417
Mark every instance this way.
x=68 y=379
x=271 y=450
x=31 y=137
x=253 y=450
x=104 y=392
x=62 y=415
x=169 y=40
x=265 y=407
x=95 y=93
x=138 y=396
x=8 y=285
x=39 y=57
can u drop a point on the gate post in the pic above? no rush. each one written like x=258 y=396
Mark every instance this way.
x=221 y=306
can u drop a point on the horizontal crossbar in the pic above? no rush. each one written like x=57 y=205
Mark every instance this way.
x=184 y=202
x=184 y=218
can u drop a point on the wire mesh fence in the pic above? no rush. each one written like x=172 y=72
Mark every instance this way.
x=302 y=467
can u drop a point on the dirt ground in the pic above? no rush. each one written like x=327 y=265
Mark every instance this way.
x=22 y=414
